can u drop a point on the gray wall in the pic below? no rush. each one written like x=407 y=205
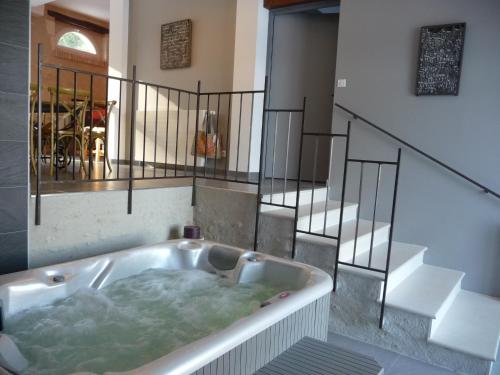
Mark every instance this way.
x=14 y=73
x=377 y=53
x=303 y=49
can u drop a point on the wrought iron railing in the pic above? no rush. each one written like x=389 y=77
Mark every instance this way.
x=271 y=140
x=264 y=151
x=179 y=134
x=426 y=155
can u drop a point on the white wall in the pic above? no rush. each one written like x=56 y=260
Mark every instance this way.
x=79 y=225
x=211 y=63
x=250 y=52
x=118 y=67
x=212 y=49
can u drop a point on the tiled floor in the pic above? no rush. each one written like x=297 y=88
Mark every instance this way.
x=66 y=182
x=393 y=363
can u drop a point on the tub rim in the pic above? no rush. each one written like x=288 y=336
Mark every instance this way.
x=193 y=356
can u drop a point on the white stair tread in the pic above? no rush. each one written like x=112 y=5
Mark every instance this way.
x=471 y=326
x=290 y=196
x=304 y=209
x=425 y=290
x=400 y=254
x=348 y=232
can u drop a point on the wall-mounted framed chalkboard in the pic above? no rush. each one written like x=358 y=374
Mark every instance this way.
x=175 y=45
x=440 y=56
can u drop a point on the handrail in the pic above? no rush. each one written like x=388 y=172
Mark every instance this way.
x=417 y=150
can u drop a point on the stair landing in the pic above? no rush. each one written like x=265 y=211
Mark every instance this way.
x=471 y=326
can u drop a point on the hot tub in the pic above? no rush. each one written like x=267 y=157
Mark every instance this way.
x=300 y=306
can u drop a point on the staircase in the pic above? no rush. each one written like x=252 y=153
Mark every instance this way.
x=429 y=316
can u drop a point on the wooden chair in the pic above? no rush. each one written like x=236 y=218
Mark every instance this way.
x=99 y=129
x=73 y=108
x=45 y=126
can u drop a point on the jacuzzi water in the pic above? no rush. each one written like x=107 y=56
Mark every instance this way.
x=131 y=321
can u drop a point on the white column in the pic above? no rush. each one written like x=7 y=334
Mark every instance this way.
x=118 y=64
x=249 y=72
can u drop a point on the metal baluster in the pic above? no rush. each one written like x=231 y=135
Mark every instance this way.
x=328 y=181
x=207 y=117
x=132 y=141
x=286 y=157
x=250 y=137
x=144 y=130
x=119 y=129
x=193 y=194
x=57 y=123
x=299 y=176
x=217 y=136
x=91 y=124
x=266 y=146
x=274 y=155
x=166 y=134
x=156 y=129
x=374 y=213
x=39 y=141
x=356 y=231
x=177 y=130
x=341 y=220
x=228 y=132
x=75 y=122
x=239 y=136
x=105 y=131
x=391 y=232
x=316 y=139
x=261 y=159
x=187 y=135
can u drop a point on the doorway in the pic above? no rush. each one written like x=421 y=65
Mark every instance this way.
x=301 y=61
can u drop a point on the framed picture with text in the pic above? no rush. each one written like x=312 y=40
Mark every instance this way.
x=440 y=56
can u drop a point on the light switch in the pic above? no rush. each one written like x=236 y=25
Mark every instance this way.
x=342 y=82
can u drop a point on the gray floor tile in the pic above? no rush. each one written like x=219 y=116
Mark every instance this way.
x=13 y=69
x=13 y=252
x=384 y=357
x=393 y=363
x=13 y=209
x=496 y=367
x=14 y=120
x=13 y=163
x=409 y=366
x=14 y=22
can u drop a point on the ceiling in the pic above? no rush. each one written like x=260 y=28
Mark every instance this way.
x=94 y=8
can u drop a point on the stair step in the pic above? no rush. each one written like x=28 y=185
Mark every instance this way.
x=317 y=220
x=318 y=214
x=290 y=197
x=471 y=326
x=426 y=291
x=381 y=234
x=405 y=258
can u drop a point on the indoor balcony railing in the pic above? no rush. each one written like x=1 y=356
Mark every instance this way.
x=89 y=127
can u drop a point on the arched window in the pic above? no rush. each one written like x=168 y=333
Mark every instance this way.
x=78 y=41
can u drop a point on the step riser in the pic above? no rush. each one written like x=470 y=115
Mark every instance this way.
x=316 y=256
x=399 y=275
x=380 y=235
x=332 y=218
x=355 y=314
x=444 y=309
x=290 y=197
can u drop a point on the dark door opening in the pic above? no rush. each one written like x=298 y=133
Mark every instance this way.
x=302 y=53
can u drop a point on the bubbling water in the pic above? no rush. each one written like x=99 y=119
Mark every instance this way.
x=130 y=322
